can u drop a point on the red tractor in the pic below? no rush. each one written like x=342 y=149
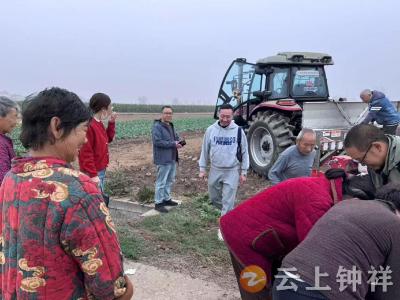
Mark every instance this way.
x=277 y=96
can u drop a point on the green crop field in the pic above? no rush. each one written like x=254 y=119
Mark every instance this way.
x=156 y=108
x=134 y=129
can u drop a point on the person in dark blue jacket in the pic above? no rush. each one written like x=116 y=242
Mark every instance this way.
x=166 y=143
x=381 y=110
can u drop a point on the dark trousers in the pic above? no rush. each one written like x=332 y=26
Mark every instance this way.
x=300 y=294
x=389 y=129
x=264 y=294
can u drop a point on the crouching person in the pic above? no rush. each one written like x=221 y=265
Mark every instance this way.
x=266 y=227
x=352 y=251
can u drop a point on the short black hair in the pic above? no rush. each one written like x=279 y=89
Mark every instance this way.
x=357 y=186
x=390 y=193
x=166 y=106
x=226 y=106
x=99 y=101
x=360 y=187
x=38 y=111
x=362 y=136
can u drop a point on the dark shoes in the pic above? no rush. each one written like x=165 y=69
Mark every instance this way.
x=170 y=203
x=160 y=208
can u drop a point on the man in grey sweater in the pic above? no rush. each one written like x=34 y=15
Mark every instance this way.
x=297 y=160
x=220 y=146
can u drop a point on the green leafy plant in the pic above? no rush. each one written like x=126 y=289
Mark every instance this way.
x=145 y=195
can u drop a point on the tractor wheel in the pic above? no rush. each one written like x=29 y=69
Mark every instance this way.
x=268 y=135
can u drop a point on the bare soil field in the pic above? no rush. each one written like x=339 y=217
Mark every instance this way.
x=136 y=155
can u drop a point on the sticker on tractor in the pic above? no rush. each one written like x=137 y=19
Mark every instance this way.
x=326 y=133
x=325 y=140
x=336 y=133
x=310 y=73
x=310 y=89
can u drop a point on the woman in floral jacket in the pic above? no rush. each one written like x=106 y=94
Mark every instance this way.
x=57 y=237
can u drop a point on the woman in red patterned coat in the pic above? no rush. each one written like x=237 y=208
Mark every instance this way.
x=57 y=237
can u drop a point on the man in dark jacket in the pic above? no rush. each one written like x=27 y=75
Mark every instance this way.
x=381 y=110
x=165 y=154
x=368 y=145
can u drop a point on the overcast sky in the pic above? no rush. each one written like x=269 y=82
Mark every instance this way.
x=169 y=49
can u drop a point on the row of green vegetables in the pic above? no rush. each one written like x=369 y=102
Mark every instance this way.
x=137 y=128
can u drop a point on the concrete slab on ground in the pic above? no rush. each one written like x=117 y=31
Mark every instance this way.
x=127 y=204
x=151 y=283
x=126 y=208
x=154 y=212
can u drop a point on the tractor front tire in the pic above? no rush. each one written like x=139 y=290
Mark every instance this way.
x=268 y=135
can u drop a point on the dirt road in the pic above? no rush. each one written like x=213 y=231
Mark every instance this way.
x=152 y=283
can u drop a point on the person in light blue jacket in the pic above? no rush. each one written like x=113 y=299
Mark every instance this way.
x=220 y=148
x=381 y=110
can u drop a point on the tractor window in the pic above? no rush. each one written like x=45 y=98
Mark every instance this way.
x=238 y=84
x=309 y=82
x=278 y=83
x=258 y=84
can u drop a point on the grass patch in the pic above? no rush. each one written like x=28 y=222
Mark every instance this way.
x=118 y=183
x=190 y=229
x=132 y=245
x=145 y=195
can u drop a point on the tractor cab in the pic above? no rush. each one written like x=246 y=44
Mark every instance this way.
x=296 y=76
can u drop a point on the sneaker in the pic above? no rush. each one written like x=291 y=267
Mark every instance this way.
x=170 y=203
x=160 y=208
x=220 y=235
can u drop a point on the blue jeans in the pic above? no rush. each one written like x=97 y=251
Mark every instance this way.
x=102 y=177
x=165 y=179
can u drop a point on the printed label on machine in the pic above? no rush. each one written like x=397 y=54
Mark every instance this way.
x=336 y=133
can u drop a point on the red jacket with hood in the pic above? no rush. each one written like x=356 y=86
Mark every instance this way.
x=270 y=224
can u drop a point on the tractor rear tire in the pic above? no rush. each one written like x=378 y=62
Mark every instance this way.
x=268 y=135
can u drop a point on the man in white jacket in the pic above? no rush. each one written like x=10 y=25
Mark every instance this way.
x=220 y=147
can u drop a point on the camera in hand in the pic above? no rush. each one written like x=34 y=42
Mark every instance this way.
x=182 y=142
